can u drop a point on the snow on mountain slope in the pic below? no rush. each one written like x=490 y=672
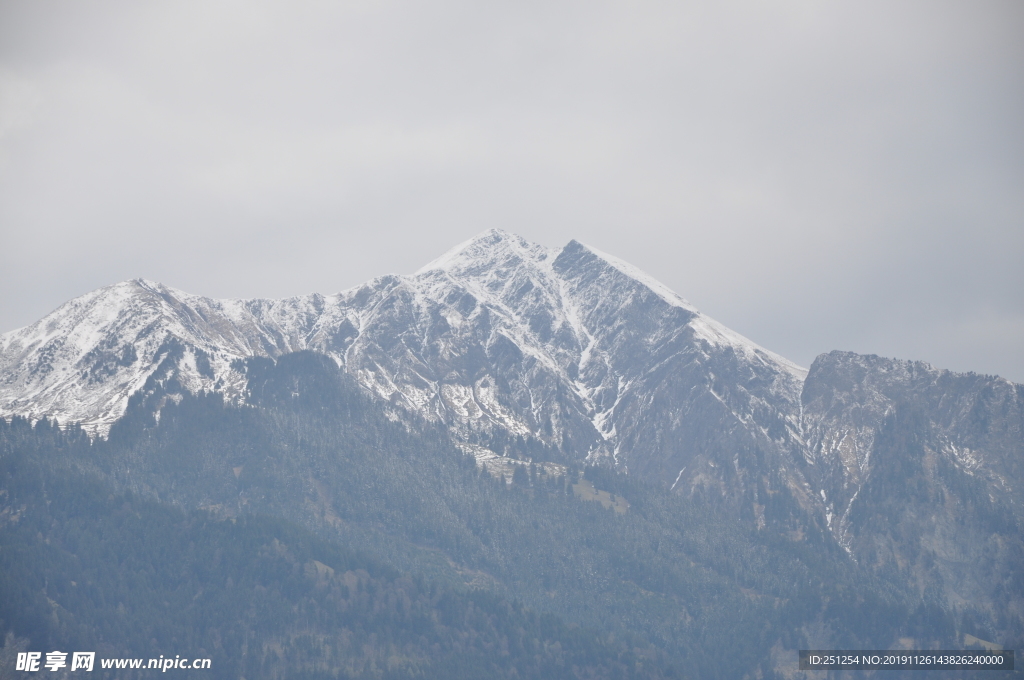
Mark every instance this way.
x=590 y=330
x=83 y=361
x=569 y=345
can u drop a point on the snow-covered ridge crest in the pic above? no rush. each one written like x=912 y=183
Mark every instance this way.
x=494 y=311
x=663 y=291
x=704 y=327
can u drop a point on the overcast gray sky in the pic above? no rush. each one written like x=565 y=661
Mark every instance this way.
x=815 y=175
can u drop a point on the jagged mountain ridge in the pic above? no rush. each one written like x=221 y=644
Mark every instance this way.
x=567 y=345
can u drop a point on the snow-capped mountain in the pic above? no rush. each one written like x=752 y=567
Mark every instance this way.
x=501 y=339
x=568 y=345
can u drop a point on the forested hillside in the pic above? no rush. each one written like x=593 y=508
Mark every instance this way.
x=86 y=569
x=308 y=531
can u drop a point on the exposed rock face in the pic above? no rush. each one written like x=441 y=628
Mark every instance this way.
x=920 y=470
x=973 y=423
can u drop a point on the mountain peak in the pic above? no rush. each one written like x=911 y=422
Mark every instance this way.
x=486 y=249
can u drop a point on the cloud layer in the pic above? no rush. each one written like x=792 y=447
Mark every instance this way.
x=815 y=175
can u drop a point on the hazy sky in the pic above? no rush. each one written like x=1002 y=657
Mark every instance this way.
x=816 y=175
